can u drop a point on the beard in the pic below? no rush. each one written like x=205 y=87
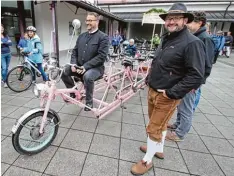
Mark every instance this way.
x=174 y=28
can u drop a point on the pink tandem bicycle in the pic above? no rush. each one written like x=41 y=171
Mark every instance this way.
x=37 y=128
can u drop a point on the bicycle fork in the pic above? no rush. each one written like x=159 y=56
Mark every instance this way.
x=47 y=108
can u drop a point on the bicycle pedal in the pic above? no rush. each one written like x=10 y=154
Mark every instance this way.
x=115 y=87
x=123 y=107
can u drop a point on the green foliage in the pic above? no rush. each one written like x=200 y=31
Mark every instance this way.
x=153 y=10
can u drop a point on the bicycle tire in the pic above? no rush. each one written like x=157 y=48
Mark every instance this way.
x=22 y=72
x=15 y=137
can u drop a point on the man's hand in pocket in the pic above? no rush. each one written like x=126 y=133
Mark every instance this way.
x=163 y=92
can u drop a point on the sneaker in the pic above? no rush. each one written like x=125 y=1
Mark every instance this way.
x=141 y=168
x=5 y=85
x=157 y=154
x=172 y=136
x=34 y=82
x=89 y=105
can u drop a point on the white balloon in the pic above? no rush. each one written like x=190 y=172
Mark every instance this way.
x=76 y=23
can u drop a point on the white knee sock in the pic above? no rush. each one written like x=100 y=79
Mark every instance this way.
x=153 y=147
x=164 y=133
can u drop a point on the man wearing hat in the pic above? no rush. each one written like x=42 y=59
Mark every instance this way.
x=186 y=107
x=177 y=68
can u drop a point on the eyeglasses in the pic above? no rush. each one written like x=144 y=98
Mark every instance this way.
x=89 y=21
x=175 y=19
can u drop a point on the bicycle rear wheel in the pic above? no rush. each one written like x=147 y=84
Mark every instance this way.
x=19 y=78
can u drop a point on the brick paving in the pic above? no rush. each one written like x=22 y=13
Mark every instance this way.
x=89 y=147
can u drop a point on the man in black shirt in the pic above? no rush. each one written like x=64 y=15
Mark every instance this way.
x=89 y=54
x=177 y=68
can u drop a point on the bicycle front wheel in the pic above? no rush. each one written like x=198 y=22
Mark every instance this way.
x=28 y=140
x=19 y=78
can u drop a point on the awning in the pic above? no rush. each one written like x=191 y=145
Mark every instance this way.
x=91 y=7
x=211 y=16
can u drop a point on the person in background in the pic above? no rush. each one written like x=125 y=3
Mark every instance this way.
x=22 y=44
x=131 y=48
x=156 y=41
x=5 y=54
x=34 y=48
x=23 y=41
x=228 y=43
x=222 y=43
x=219 y=44
x=116 y=40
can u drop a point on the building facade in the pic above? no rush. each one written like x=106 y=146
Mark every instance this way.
x=17 y=16
x=220 y=14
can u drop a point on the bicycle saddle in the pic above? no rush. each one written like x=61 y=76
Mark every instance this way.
x=151 y=56
x=141 y=58
x=25 y=53
x=45 y=55
x=113 y=55
x=127 y=62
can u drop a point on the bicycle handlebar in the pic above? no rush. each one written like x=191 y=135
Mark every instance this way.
x=24 y=53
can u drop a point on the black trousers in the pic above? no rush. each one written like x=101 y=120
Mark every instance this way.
x=216 y=57
x=116 y=47
x=89 y=77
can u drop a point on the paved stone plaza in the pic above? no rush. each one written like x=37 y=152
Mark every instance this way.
x=89 y=147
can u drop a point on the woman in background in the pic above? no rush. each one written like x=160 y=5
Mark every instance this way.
x=5 y=54
x=116 y=40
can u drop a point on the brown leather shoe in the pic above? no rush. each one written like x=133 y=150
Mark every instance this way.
x=141 y=168
x=172 y=136
x=157 y=154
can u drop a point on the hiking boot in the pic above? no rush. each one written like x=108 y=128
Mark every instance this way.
x=89 y=105
x=172 y=136
x=157 y=154
x=141 y=168
x=171 y=127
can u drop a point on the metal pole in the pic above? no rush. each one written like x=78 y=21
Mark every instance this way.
x=161 y=32
x=225 y=14
x=33 y=14
x=55 y=26
x=151 y=46
x=22 y=23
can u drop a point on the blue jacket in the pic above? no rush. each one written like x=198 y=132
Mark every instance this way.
x=131 y=50
x=219 y=42
x=35 y=47
x=5 y=45
x=116 y=40
x=22 y=43
x=222 y=43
